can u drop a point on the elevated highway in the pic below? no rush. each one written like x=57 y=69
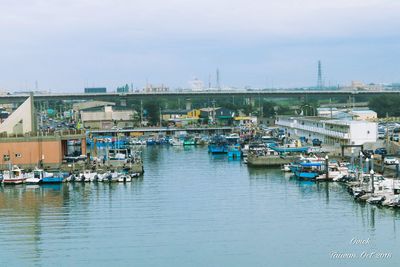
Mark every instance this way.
x=12 y=98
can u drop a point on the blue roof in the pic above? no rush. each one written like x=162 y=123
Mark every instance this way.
x=311 y=164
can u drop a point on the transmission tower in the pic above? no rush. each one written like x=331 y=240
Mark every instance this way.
x=319 y=81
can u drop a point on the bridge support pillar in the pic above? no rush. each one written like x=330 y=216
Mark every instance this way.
x=188 y=104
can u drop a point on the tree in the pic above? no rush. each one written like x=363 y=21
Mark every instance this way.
x=152 y=112
x=385 y=104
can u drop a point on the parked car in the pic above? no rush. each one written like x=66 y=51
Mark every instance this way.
x=381 y=151
x=391 y=161
x=368 y=153
x=395 y=138
x=316 y=142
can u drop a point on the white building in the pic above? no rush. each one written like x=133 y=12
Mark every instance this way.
x=355 y=114
x=106 y=117
x=364 y=114
x=341 y=132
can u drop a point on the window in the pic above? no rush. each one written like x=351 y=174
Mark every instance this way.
x=18 y=155
x=6 y=157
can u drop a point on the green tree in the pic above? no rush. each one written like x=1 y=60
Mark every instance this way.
x=385 y=104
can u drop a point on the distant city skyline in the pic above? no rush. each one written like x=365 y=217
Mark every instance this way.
x=67 y=45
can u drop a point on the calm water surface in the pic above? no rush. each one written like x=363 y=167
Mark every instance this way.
x=192 y=209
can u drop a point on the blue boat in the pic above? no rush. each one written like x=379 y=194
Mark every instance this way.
x=308 y=170
x=234 y=152
x=55 y=178
x=151 y=141
x=218 y=145
x=218 y=148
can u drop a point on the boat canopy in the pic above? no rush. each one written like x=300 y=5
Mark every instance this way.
x=311 y=164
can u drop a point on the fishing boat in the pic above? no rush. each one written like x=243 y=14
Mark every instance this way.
x=53 y=178
x=137 y=142
x=308 y=170
x=335 y=173
x=36 y=176
x=110 y=176
x=14 y=176
x=234 y=152
x=176 y=142
x=122 y=178
x=232 y=138
x=151 y=141
x=87 y=176
x=188 y=141
x=218 y=145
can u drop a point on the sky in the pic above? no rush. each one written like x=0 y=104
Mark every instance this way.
x=66 y=45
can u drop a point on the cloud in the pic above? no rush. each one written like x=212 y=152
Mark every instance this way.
x=75 y=40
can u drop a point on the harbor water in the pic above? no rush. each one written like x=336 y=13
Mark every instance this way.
x=191 y=208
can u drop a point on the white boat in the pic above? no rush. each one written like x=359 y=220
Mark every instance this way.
x=137 y=142
x=135 y=174
x=35 y=177
x=14 y=176
x=176 y=142
x=122 y=178
x=335 y=173
x=86 y=176
x=70 y=178
x=286 y=168
x=98 y=177
x=110 y=176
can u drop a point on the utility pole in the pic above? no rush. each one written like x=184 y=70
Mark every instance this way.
x=160 y=118
x=141 y=112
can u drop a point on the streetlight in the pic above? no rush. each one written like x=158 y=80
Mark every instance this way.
x=372 y=181
x=372 y=162
x=326 y=167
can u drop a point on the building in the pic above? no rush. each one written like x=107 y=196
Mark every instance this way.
x=106 y=117
x=95 y=90
x=22 y=144
x=90 y=104
x=21 y=120
x=348 y=114
x=218 y=115
x=245 y=120
x=123 y=89
x=364 y=114
x=196 y=85
x=194 y=114
x=170 y=114
x=29 y=151
x=330 y=131
x=154 y=89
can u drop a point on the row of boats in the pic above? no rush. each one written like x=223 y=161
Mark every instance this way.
x=314 y=168
x=17 y=175
x=363 y=185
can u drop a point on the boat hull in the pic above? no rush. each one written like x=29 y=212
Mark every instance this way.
x=14 y=181
x=214 y=149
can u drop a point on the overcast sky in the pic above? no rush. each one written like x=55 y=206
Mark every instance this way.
x=68 y=44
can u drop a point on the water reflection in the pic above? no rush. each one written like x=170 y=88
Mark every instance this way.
x=190 y=206
x=30 y=212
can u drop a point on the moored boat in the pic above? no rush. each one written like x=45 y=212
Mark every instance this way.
x=308 y=170
x=14 y=176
